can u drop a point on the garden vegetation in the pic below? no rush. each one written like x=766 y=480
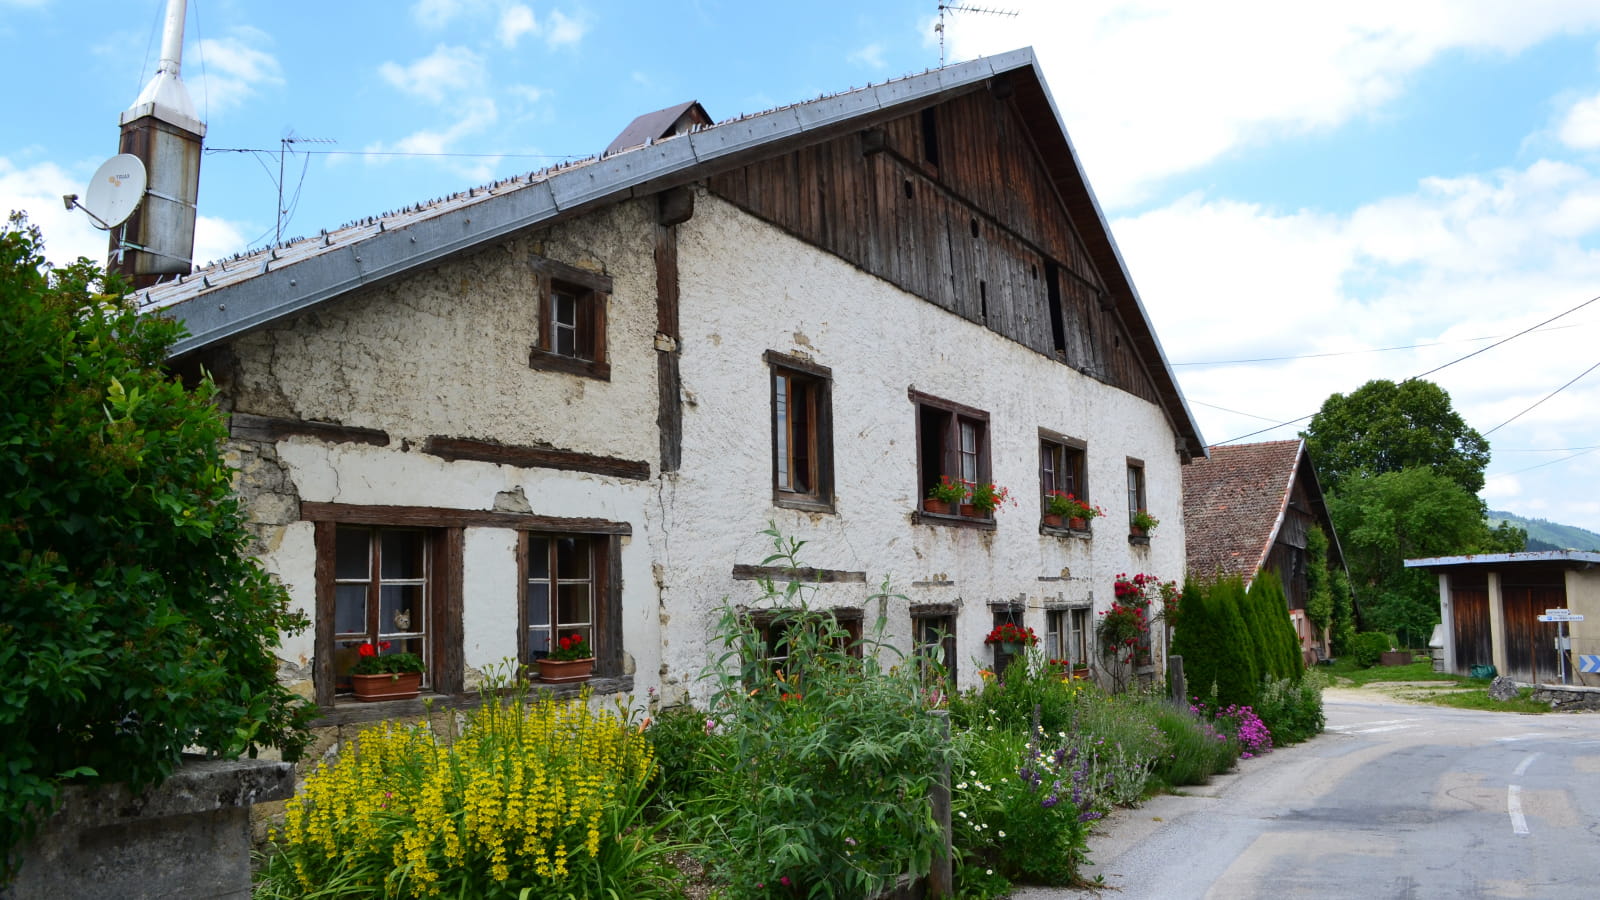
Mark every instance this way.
x=136 y=624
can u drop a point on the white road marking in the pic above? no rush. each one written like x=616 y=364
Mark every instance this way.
x=1521 y=737
x=1371 y=727
x=1522 y=767
x=1519 y=825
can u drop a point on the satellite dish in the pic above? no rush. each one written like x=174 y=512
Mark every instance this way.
x=115 y=191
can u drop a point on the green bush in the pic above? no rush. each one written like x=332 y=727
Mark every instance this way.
x=135 y=623
x=825 y=791
x=1030 y=683
x=1196 y=750
x=1291 y=709
x=1020 y=810
x=1369 y=647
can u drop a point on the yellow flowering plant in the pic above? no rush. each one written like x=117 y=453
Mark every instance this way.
x=535 y=793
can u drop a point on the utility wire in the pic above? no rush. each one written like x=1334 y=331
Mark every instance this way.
x=1541 y=400
x=1586 y=451
x=1262 y=359
x=1448 y=365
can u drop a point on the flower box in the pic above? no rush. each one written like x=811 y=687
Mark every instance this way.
x=386 y=686
x=565 y=671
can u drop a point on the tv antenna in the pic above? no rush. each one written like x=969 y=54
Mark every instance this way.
x=283 y=150
x=955 y=8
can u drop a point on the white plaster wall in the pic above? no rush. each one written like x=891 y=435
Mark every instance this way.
x=445 y=351
x=746 y=288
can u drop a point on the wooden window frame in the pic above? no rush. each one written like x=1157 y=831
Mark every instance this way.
x=789 y=371
x=1079 y=635
x=590 y=292
x=1137 y=498
x=443 y=609
x=768 y=622
x=925 y=628
x=605 y=597
x=374 y=579
x=950 y=450
x=1063 y=466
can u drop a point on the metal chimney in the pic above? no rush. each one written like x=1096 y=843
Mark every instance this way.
x=161 y=128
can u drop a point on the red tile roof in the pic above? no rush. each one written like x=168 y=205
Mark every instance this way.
x=1233 y=504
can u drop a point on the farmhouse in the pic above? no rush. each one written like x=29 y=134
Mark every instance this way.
x=573 y=400
x=1249 y=508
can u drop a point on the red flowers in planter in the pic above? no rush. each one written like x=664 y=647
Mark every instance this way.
x=1010 y=633
x=368 y=650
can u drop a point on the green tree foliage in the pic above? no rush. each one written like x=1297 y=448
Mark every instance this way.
x=1280 y=645
x=1195 y=639
x=1344 y=612
x=1386 y=427
x=135 y=625
x=1385 y=520
x=1239 y=670
x=1319 y=582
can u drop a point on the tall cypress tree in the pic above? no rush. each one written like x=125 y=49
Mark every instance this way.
x=1195 y=639
x=1238 y=662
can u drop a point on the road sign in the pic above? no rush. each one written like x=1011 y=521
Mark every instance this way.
x=1589 y=663
x=1560 y=615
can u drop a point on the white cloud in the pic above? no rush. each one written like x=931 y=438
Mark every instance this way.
x=1453 y=262
x=527 y=92
x=446 y=71
x=215 y=238
x=1159 y=87
x=436 y=14
x=235 y=69
x=476 y=117
x=516 y=21
x=870 y=56
x=37 y=190
x=564 y=31
x=1580 y=128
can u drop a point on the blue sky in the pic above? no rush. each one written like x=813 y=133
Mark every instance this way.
x=1283 y=180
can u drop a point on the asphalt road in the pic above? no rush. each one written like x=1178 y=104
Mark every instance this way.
x=1394 y=800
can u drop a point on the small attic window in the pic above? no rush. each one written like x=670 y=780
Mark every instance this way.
x=570 y=334
x=930 y=137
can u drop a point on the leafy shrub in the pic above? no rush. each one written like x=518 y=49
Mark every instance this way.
x=136 y=625
x=541 y=794
x=1020 y=810
x=1292 y=710
x=690 y=755
x=1196 y=750
x=1369 y=647
x=829 y=760
x=1030 y=683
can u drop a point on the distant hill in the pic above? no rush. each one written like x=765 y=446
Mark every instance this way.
x=1547 y=535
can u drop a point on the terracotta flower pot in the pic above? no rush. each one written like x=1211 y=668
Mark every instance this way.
x=938 y=507
x=969 y=510
x=563 y=671
x=386 y=686
x=1136 y=531
x=1077 y=524
x=1051 y=520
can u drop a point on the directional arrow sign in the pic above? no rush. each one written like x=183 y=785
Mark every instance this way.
x=1560 y=615
x=1589 y=663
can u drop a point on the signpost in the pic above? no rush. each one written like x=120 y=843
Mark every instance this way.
x=1561 y=617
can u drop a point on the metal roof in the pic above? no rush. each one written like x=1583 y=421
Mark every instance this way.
x=1574 y=558
x=232 y=296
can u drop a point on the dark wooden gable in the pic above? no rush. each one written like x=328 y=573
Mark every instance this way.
x=953 y=203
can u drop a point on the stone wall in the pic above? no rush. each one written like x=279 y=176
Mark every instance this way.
x=187 y=837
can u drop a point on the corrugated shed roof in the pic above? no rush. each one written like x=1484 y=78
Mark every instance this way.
x=1233 y=504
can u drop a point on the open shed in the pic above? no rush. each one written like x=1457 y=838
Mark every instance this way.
x=1490 y=606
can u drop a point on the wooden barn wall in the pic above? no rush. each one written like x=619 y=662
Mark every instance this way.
x=972 y=224
x=1530 y=646
x=1289 y=562
x=1469 y=605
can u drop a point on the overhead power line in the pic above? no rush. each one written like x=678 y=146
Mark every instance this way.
x=1447 y=365
x=1541 y=400
x=404 y=153
x=1332 y=353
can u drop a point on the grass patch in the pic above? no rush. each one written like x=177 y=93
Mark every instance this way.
x=1479 y=699
x=1346 y=671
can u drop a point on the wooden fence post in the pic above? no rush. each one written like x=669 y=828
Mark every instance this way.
x=941 y=878
x=1177 y=683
